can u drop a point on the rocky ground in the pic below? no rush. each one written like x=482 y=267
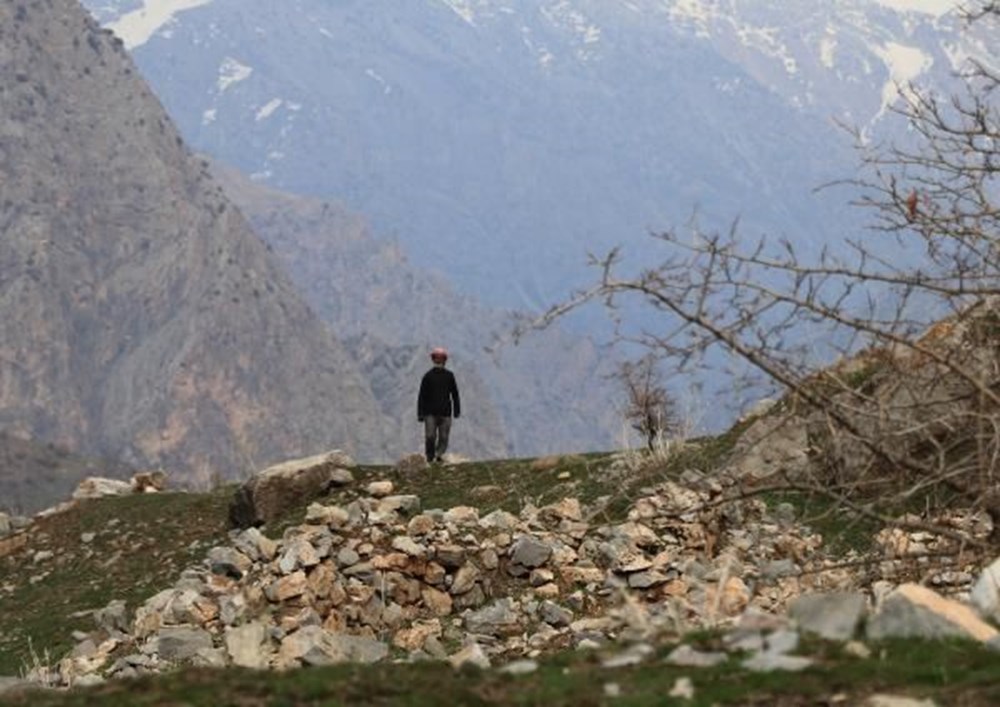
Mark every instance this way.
x=368 y=574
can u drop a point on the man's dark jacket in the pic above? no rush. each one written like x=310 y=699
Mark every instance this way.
x=438 y=390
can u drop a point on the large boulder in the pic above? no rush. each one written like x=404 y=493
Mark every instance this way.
x=181 y=643
x=313 y=645
x=248 y=645
x=985 y=594
x=99 y=487
x=913 y=611
x=270 y=493
x=776 y=444
x=834 y=616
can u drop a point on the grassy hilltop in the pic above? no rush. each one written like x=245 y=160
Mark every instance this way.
x=131 y=547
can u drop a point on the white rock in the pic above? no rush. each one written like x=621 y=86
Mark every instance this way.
x=472 y=654
x=99 y=487
x=985 y=594
x=915 y=611
x=247 y=644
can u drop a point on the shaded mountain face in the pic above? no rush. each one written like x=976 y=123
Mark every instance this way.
x=552 y=393
x=143 y=320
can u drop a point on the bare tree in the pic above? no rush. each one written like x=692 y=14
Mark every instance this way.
x=649 y=408
x=913 y=403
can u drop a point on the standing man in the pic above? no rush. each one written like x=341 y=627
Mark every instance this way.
x=436 y=404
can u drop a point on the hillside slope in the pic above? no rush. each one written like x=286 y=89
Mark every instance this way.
x=143 y=320
x=373 y=573
x=390 y=312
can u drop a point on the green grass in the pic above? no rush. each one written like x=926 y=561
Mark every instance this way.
x=141 y=544
x=953 y=673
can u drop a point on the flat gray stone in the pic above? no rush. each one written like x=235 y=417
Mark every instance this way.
x=99 y=487
x=520 y=667
x=178 y=643
x=914 y=611
x=985 y=594
x=834 y=616
x=782 y=641
x=499 y=520
x=113 y=617
x=633 y=655
x=496 y=619
x=210 y=658
x=769 y=662
x=555 y=615
x=255 y=545
x=357 y=649
x=228 y=562
x=314 y=645
x=530 y=552
x=687 y=657
x=647 y=579
x=775 y=569
x=270 y=493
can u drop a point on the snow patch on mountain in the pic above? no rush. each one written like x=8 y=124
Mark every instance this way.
x=462 y=8
x=767 y=41
x=137 y=27
x=268 y=109
x=587 y=33
x=697 y=15
x=231 y=72
x=927 y=7
x=378 y=78
x=828 y=49
x=905 y=65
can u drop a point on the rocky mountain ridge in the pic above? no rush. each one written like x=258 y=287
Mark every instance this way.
x=144 y=321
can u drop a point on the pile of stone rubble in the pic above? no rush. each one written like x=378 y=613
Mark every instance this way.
x=381 y=578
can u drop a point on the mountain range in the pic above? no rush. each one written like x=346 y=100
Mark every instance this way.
x=151 y=324
x=164 y=310
x=501 y=140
